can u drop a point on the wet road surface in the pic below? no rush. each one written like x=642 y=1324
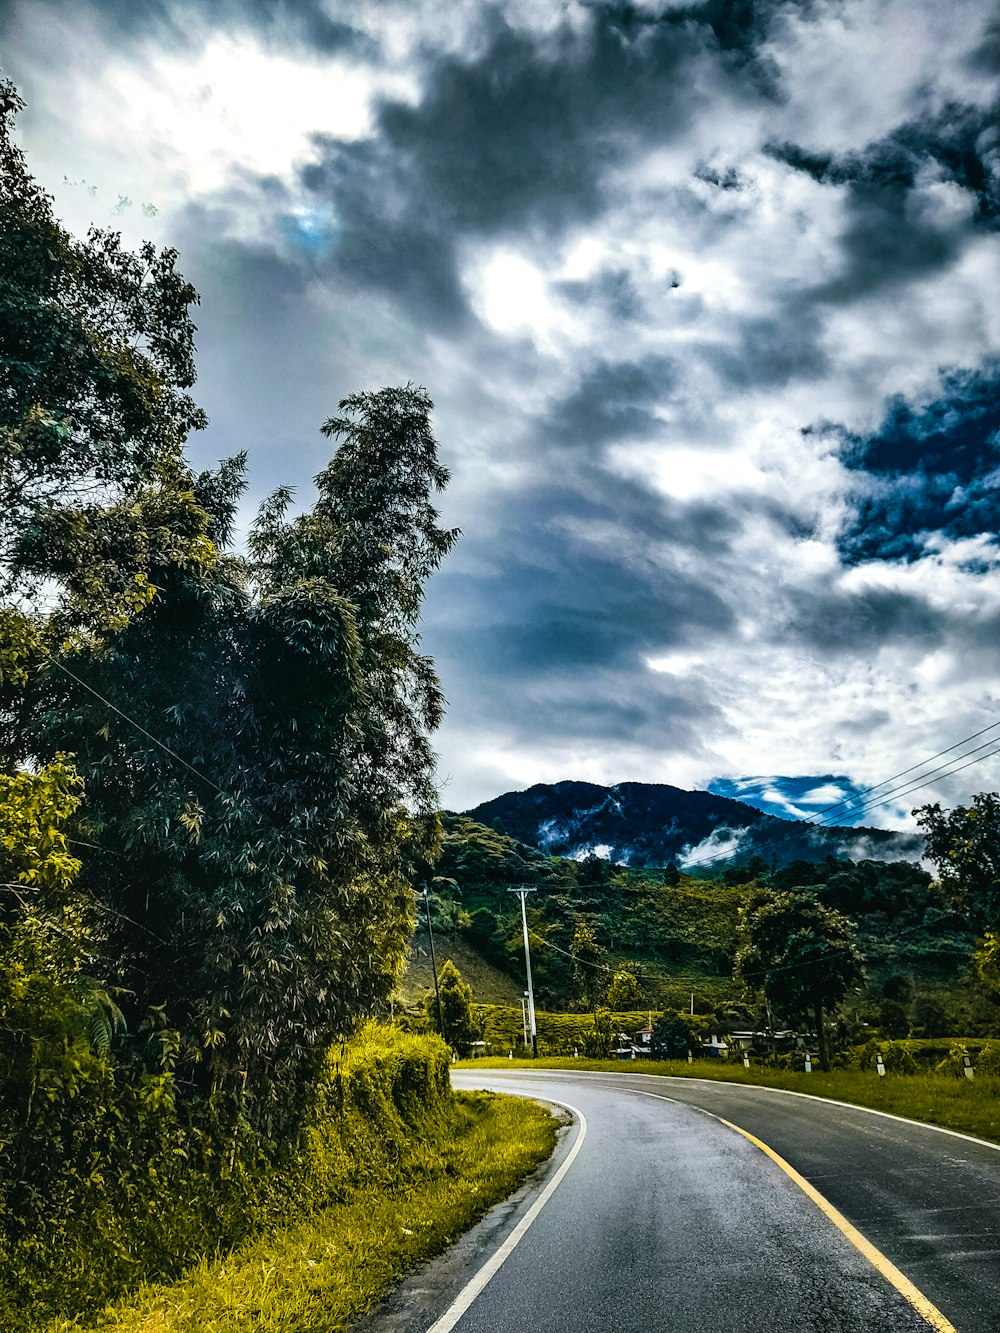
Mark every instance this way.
x=668 y=1220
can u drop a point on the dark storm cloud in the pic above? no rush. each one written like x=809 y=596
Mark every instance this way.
x=613 y=290
x=985 y=59
x=773 y=351
x=931 y=470
x=888 y=236
x=841 y=624
x=180 y=23
x=613 y=401
x=385 y=240
x=560 y=627
x=519 y=136
x=522 y=133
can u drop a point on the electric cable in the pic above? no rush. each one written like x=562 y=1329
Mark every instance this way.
x=148 y=734
x=882 y=799
x=903 y=771
x=944 y=771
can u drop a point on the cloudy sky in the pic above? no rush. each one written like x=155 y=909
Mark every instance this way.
x=706 y=295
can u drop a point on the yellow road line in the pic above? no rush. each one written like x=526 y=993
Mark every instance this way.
x=889 y=1271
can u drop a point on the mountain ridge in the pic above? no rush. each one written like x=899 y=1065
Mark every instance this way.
x=651 y=824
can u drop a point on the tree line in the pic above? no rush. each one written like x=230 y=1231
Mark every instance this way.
x=215 y=771
x=869 y=943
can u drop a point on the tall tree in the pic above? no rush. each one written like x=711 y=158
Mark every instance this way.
x=96 y=359
x=623 y=991
x=801 y=954
x=259 y=776
x=253 y=733
x=461 y=1026
x=964 y=845
x=589 y=972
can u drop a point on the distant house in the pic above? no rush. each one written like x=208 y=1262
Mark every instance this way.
x=781 y=1041
x=634 y=1046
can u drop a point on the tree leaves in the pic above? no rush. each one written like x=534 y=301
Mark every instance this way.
x=96 y=357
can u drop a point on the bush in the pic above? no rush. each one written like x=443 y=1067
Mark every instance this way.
x=113 y=1181
x=896 y=1056
x=671 y=1037
x=953 y=1064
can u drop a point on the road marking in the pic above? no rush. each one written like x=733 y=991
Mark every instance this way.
x=913 y=1295
x=889 y=1271
x=492 y=1265
x=757 y=1087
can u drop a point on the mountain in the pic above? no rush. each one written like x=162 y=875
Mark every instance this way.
x=652 y=824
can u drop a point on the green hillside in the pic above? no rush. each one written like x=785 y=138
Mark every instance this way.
x=676 y=933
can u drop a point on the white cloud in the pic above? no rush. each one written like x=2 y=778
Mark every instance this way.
x=806 y=678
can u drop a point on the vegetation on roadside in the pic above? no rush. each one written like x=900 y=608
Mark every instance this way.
x=333 y=1264
x=215 y=782
x=614 y=937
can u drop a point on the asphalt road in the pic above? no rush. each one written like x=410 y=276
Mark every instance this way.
x=668 y=1220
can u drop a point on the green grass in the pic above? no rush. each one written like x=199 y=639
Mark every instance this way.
x=325 y=1270
x=952 y=1103
x=489 y=984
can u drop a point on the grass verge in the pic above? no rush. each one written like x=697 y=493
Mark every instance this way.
x=326 y=1270
x=952 y=1103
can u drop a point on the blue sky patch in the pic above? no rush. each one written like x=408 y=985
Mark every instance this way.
x=818 y=797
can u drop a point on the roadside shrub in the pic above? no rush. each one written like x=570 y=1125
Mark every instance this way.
x=953 y=1065
x=989 y=1060
x=896 y=1056
x=113 y=1180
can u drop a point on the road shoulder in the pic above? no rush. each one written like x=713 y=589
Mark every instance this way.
x=422 y=1297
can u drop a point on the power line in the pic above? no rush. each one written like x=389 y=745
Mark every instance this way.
x=637 y=972
x=944 y=769
x=598 y=967
x=894 y=794
x=148 y=734
x=918 y=786
x=903 y=771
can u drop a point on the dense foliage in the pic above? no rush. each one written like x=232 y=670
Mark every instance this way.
x=800 y=954
x=215 y=773
x=460 y=1027
x=125 y=1180
x=96 y=359
x=251 y=733
x=677 y=933
x=964 y=844
x=254 y=752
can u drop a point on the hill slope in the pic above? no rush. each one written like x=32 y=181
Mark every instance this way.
x=676 y=932
x=652 y=824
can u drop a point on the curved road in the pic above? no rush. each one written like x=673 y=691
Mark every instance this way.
x=668 y=1219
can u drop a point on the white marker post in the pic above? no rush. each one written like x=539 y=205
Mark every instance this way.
x=967 y=1069
x=880 y=1065
x=809 y=1063
x=746 y=1060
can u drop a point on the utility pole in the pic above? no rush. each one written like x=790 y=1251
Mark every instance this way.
x=522 y=890
x=437 y=993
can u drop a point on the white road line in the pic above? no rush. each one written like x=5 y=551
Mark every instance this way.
x=492 y=1265
x=592 y=1074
